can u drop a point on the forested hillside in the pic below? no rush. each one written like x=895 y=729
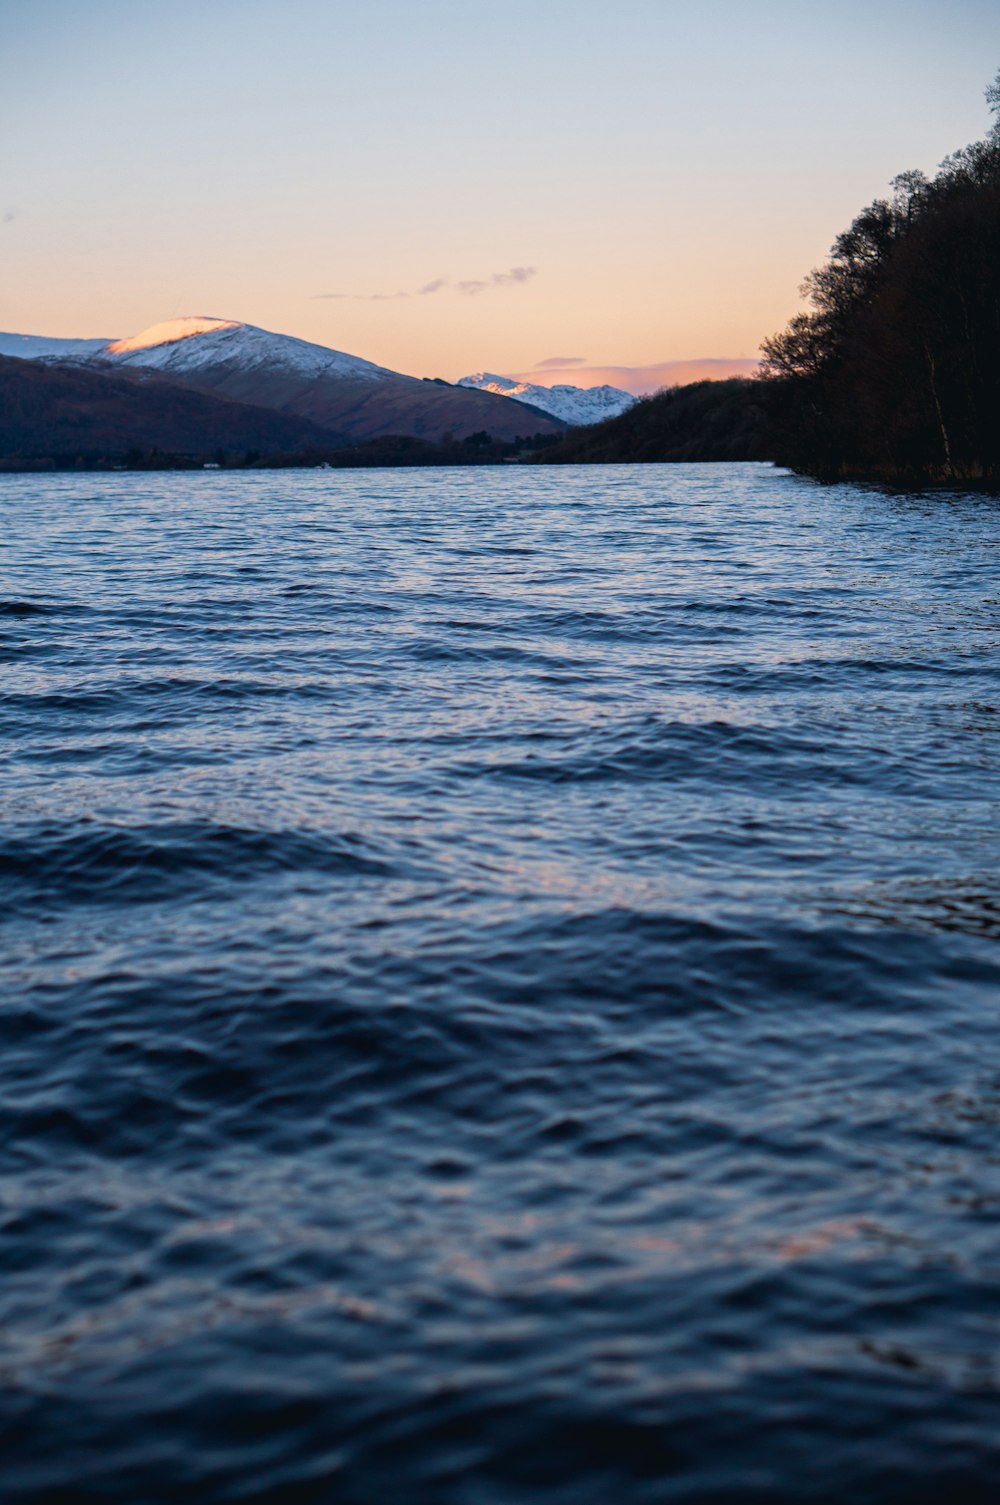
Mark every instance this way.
x=67 y=414
x=707 y=420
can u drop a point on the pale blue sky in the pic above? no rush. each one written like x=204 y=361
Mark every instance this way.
x=666 y=173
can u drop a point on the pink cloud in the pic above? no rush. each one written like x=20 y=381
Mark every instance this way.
x=640 y=380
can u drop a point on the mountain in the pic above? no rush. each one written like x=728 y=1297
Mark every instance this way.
x=573 y=405
x=354 y=397
x=57 y=411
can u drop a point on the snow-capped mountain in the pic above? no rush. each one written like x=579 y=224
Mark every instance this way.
x=192 y=344
x=574 y=405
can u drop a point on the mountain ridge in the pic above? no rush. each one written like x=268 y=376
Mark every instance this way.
x=574 y=405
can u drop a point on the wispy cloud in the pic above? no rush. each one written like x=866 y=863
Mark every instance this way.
x=466 y=287
x=498 y=279
x=558 y=362
x=9 y=216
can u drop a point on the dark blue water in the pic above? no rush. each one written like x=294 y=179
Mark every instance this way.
x=502 y=989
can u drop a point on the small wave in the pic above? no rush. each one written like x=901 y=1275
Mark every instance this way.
x=713 y=751
x=29 y=609
x=164 y=697
x=137 y=864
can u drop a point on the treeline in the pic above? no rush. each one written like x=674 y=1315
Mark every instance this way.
x=894 y=373
x=408 y=450
x=392 y=450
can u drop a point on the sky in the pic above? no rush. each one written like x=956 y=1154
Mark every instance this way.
x=449 y=186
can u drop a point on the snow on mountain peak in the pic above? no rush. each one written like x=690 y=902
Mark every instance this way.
x=196 y=344
x=167 y=333
x=572 y=404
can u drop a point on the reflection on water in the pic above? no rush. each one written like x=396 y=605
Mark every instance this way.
x=502 y=989
x=969 y=905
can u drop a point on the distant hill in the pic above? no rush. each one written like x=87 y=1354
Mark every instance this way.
x=68 y=412
x=707 y=420
x=31 y=346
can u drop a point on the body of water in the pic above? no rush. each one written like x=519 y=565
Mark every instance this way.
x=501 y=989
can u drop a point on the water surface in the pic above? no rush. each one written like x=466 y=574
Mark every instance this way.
x=502 y=989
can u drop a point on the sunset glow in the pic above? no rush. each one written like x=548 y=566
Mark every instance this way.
x=167 y=332
x=640 y=380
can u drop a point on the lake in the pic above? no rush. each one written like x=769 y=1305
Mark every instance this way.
x=502 y=988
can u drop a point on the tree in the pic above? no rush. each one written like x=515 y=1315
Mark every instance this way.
x=993 y=100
